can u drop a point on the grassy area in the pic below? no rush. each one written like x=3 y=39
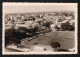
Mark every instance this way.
x=65 y=38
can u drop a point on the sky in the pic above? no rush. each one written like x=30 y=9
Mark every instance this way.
x=37 y=7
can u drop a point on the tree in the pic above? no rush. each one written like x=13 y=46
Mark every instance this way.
x=21 y=32
x=65 y=26
x=70 y=28
x=22 y=29
x=47 y=24
x=32 y=30
x=9 y=33
x=15 y=34
x=55 y=45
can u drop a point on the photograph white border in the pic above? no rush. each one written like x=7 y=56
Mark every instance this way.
x=40 y=53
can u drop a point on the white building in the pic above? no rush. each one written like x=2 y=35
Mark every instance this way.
x=53 y=27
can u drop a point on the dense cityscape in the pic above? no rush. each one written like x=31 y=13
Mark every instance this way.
x=31 y=25
x=24 y=20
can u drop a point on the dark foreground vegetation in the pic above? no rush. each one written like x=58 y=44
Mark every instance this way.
x=15 y=35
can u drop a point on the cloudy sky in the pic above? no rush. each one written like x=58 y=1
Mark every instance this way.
x=37 y=7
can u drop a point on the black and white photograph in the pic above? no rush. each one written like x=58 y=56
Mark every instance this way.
x=39 y=28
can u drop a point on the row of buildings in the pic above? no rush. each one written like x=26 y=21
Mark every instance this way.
x=26 y=20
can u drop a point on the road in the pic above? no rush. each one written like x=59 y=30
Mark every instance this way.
x=65 y=38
